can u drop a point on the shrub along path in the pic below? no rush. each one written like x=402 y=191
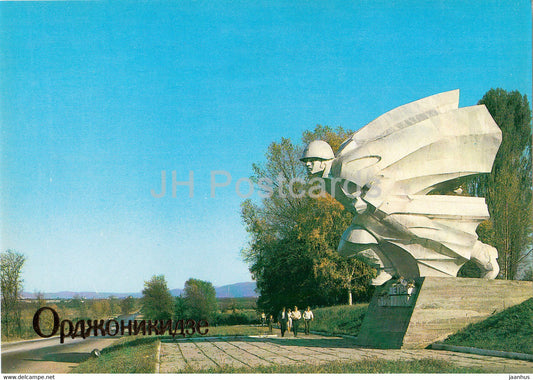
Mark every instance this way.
x=218 y=354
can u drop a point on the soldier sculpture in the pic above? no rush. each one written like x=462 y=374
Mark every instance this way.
x=385 y=173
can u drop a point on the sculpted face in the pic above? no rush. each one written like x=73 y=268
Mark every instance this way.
x=315 y=166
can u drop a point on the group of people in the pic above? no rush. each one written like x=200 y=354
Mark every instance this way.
x=290 y=320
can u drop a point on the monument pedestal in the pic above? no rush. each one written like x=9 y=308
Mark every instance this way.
x=439 y=306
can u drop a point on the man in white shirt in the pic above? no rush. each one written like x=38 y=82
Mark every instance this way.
x=308 y=317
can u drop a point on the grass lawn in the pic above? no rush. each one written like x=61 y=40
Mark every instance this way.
x=135 y=354
x=363 y=366
x=343 y=319
x=510 y=330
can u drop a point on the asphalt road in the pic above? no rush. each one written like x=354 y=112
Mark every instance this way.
x=48 y=355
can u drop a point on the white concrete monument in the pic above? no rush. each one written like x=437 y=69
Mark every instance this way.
x=384 y=172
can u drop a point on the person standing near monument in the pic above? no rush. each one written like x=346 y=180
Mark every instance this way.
x=296 y=316
x=308 y=317
x=283 y=318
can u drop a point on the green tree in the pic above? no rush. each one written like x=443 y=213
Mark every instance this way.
x=200 y=300
x=127 y=305
x=179 y=308
x=114 y=304
x=11 y=264
x=293 y=240
x=157 y=302
x=507 y=188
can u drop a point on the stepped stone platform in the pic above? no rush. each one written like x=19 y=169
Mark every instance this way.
x=216 y=354
x=438 y=307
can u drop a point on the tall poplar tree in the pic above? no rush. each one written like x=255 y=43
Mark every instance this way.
x=508 y=188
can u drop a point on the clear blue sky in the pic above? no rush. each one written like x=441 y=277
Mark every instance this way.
x=97 y=98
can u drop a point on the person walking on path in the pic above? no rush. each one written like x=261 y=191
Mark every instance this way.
x=283 y=318
x=308 y=317
x=270 y=323
x=296 y=316
x=289 y=320
x=263 y=319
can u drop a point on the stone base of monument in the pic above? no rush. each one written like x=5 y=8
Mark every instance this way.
x=406 y=317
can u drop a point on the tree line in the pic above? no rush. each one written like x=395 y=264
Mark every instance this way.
x=197 y=302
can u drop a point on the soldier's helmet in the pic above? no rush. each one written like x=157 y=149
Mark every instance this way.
x=317 y=149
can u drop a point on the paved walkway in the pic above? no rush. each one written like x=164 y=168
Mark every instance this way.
x=200 y=354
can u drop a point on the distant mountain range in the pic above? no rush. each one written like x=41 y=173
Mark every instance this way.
x=238 y=290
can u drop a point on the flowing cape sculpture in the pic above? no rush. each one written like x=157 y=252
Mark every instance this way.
x=384 y=172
